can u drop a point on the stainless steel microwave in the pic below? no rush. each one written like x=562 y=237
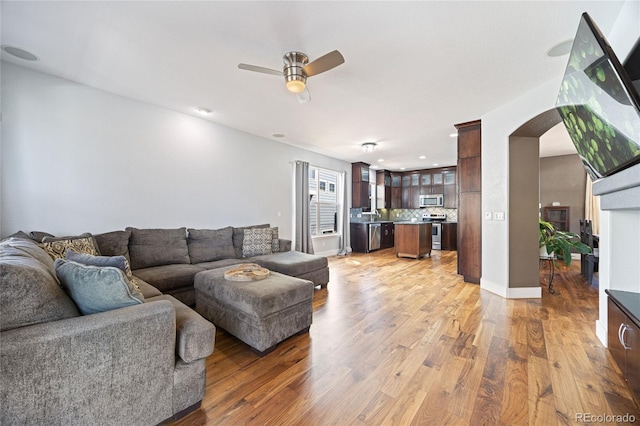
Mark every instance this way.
x=431 y=200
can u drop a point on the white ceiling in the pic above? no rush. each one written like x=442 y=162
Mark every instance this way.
x=412 y=69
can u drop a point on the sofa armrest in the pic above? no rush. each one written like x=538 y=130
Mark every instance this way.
x=195 y=336
x=285 y=245
x=114 y=367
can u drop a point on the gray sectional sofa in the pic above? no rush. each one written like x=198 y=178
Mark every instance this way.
x=136 y=365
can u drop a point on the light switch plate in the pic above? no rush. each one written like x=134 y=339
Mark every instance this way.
x=498 y=215
x=487 y=215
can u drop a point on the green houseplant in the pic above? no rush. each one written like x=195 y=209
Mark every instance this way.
x=559 y=242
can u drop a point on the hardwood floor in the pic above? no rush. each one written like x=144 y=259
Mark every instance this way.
x=403 y=341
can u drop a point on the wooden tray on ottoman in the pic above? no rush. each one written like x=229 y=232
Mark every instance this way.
x=246 y=272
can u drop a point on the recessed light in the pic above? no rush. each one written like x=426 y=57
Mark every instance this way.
x=203 y=110
x=435 y=164
x=381 y=160
x=403 y=168
x=453 y=135
x=20 y=53
x=422 y=157
x=278 y=135
x=560 y=49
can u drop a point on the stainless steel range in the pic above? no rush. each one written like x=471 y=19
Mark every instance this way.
x=436 y=220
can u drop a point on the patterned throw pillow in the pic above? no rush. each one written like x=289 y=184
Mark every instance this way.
x=96 y=289
x=57 y=247
x=119 y=262
x=257 y=241
x=275 y=243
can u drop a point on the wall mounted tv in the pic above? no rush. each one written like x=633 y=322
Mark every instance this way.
x=599 y=105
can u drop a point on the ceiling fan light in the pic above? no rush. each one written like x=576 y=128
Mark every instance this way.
x=295 y=86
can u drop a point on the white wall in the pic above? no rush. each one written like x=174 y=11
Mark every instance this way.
x=78 y=159
x=619 y=230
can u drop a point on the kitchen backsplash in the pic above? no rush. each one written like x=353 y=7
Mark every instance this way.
x=397 y=215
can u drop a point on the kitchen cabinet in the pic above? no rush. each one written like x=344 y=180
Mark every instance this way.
x=396 y=190
x=469 y=202
x=360 y=188
x=383 y=189
x=558 y=216
x=412 y=239
x=623 y=309
x=387 y=237
x=450 y=188
x=449 y=236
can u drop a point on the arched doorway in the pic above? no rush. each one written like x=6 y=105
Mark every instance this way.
x=524 y=189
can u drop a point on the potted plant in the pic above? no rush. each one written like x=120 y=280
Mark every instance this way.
x=559 y=243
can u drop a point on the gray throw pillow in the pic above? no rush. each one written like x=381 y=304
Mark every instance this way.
x=119 y=262
x=96 y=289
x=275 y=243
x=238 y=237
x=206 y=245
x=155 y=247
x=257 y=242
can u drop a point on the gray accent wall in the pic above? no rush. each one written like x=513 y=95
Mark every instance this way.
x=78 y=159
x=563 y=179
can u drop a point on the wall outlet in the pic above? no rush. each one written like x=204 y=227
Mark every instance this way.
x=487 y=215
x=498 y=215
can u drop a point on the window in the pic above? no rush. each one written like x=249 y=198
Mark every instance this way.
x=323 y=186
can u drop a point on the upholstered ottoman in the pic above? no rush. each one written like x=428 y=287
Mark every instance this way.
x=260 y=313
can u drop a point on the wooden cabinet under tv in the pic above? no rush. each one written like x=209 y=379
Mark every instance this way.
x=623 y=335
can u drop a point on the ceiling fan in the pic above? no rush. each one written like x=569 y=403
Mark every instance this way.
x=297 y=68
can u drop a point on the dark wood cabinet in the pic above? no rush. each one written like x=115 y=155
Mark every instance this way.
x=387 y=235
x=449 y=236
x=559 y=216
x=469 y=202
x=624 y=335
x=360 y=189
x=396 y=190
x=412 y=239
x=383 y=189
x=450 y=192
x=359 y=237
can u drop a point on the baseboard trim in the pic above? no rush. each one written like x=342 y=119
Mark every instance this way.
x=601 y=333
x=511 y=293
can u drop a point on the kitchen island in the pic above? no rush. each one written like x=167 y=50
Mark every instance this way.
x=412 y=239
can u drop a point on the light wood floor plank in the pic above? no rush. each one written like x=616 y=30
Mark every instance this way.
x=407 y=342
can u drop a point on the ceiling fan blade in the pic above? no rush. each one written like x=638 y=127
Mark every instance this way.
x=304 y=96
x=263 y=70
x=323 y=63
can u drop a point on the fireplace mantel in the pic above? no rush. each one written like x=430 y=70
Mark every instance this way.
x=620 y=191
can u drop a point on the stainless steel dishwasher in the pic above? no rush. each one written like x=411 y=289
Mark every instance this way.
x=374 y=236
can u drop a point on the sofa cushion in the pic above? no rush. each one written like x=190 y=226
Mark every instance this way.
x=293 y=263
x=154 y=247
x=238 y=237
x=206 y=245
x=96 y=289
x=257 y=241
x=147 y=289
x=30 y=292
x=221 y=263
x=57 y=246
x=169 y=277
x=114 y=243
x=195 y=336
x=39 y=235
x=119 y=262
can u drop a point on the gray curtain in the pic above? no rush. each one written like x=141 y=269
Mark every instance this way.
x=303 y=241
x=343 y=217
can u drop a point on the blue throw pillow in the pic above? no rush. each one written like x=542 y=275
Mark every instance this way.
x=119 y=262
x=96 y=289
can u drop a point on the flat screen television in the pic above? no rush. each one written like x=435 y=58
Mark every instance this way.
x=599 y=105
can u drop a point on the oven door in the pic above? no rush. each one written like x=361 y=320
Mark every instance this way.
x=436 y=236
